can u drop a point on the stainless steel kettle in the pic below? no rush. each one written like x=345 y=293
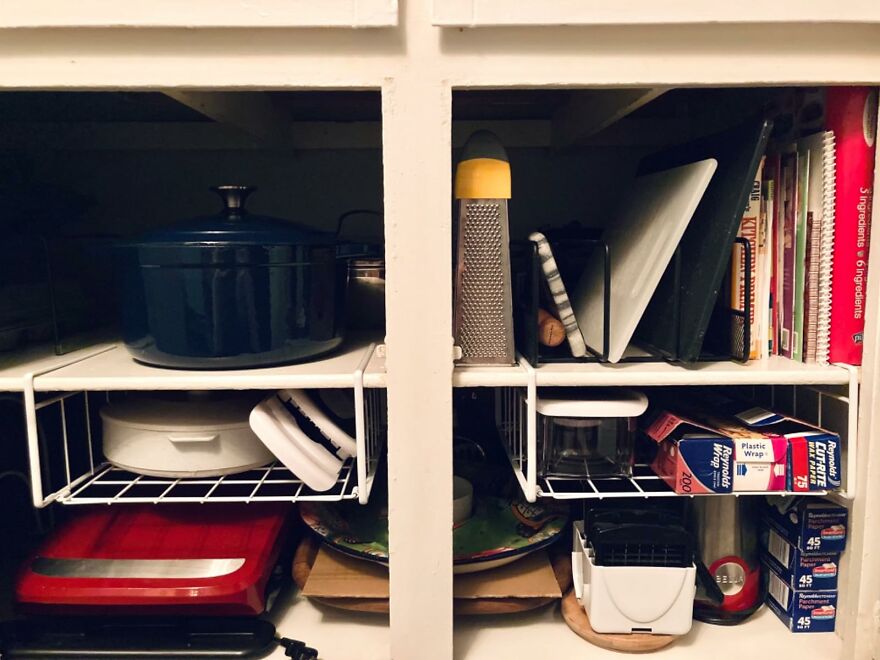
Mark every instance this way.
x=726 y=529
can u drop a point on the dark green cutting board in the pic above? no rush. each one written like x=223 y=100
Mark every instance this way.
x=708 y=240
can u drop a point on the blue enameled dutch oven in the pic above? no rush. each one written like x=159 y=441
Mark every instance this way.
x=232 y=291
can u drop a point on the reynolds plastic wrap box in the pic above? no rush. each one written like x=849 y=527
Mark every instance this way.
x=815 y=571
x=696 y=464
x=700 y=453
x=803 y=611
x=811 y=455
x=811 y=524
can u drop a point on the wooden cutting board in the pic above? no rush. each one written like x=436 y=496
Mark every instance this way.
x=576 y=618
x=307 y=551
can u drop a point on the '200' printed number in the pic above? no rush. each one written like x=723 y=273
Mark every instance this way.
x=686 y=482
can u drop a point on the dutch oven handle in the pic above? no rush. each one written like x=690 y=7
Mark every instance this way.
x=346 y=249
x=340 y=221
x=234 y=199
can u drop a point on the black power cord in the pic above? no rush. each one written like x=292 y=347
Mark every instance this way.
x=293 y=648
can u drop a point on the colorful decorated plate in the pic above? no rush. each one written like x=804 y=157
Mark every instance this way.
x=498 y=532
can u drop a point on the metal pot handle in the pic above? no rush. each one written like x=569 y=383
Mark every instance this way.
x=342 y=218
x=707 y=580
x=234 y=198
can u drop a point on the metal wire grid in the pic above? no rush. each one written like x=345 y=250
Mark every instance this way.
x=274 y=483
x=65 y=419
x=643 y=483
x=517 y=425
x=88 y=479
x=375 y=434
x=512 y=420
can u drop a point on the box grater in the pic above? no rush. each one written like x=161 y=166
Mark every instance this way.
x=483 y=319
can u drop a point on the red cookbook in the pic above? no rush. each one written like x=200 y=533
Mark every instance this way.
x=851 y=112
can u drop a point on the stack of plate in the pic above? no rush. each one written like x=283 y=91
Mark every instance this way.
x=499 y=530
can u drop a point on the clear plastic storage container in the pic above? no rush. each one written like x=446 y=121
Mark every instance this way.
x=587 y=432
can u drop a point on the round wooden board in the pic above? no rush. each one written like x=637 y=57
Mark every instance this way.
x=576 y=618
x=308 y=550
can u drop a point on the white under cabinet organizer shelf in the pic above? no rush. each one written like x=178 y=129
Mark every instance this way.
x=215 y=14
x=15 y=367
x=114 y=369
x=274 y=483
x=64 y=451
x=775 y=370
x=831 y=403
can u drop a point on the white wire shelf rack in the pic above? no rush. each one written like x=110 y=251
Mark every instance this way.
x=273 y=483
x=67 y=464
x=110 y=367
x=831 y=406
x=774 y=370
x=642 y=483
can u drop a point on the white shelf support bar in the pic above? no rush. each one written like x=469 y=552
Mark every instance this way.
x=531 y=490
x=33 y=440
x=363 y=462
x=850 y=486
x=30 y=415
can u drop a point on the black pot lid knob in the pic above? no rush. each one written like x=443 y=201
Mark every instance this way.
x=234 y=198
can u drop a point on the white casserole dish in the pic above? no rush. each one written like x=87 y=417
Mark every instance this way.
x=198 y=435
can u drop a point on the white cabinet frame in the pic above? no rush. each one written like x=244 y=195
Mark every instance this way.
x=416 y=66
x=484 y=13
x=197 y=13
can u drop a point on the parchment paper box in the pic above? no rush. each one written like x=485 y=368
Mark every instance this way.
x=810 y=524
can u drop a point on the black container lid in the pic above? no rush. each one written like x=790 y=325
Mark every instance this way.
x=234 y=226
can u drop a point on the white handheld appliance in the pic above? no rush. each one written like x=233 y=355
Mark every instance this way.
x=318 y=458
x=640 y=579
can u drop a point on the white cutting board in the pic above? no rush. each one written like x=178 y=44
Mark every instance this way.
x=641 y=243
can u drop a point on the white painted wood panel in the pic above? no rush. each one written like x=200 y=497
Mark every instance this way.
x=481 y=13
x=416 y=63
x=858 y=613
x=417 y=160
x=611 y=56
x=198 y=13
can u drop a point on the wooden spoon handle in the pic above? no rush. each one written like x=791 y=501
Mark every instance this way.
x=551 y=332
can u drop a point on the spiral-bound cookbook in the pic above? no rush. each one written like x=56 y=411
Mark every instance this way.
x=820 y=245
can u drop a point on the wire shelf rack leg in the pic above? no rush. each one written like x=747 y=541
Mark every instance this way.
x=363 y=458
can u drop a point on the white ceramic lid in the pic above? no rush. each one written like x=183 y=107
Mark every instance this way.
x=591 y=402
x=197 y=412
